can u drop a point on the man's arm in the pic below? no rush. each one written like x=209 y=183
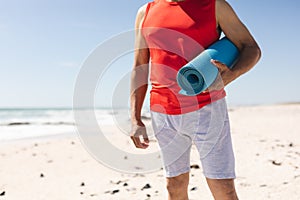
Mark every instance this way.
x=238 y=33
x=139 y=83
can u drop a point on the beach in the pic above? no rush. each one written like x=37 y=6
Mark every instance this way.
x=266 y=142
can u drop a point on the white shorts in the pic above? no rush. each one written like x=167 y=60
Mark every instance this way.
x=208 y=128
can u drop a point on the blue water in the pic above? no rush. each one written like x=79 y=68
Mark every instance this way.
x=18 y=123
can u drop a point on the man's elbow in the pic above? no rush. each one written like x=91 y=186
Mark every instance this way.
x=253 y=50
x=258 y=53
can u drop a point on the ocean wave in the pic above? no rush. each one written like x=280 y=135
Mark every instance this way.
x=32 y=123
x=18 y=123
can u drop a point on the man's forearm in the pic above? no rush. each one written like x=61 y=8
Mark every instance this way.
x=139 y=85
x=249 y=56
x=137 y=100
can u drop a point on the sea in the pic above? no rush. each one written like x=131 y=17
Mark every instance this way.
x=20 y=123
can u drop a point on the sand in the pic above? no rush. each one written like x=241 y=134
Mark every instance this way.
x=266 y=142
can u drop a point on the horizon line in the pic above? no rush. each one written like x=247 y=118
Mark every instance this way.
x=122 y=107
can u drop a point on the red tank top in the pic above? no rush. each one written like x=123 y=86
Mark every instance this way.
x=175 y=33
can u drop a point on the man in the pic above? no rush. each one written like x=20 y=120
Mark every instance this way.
x=165 y=34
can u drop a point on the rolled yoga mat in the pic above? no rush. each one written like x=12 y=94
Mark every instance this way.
x=198 y=74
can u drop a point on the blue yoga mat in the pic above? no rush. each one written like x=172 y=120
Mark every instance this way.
x=197 y=75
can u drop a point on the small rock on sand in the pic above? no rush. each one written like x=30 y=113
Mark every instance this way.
x=147 y=186
x=276 y=163
x=195 y=166
x=115 y=191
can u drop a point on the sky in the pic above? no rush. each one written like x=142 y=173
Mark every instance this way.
x=44 y=43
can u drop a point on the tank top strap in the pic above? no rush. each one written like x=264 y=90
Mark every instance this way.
x=147 y=10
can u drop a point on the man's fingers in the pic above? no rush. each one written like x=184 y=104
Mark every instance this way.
x=133 y=139
x=218 y=64
x=138 y=143
x=217 y=84
x=145 y=138
x=139 y=136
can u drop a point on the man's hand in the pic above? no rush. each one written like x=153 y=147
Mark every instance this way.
x=225 y=76
x=139 y=136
